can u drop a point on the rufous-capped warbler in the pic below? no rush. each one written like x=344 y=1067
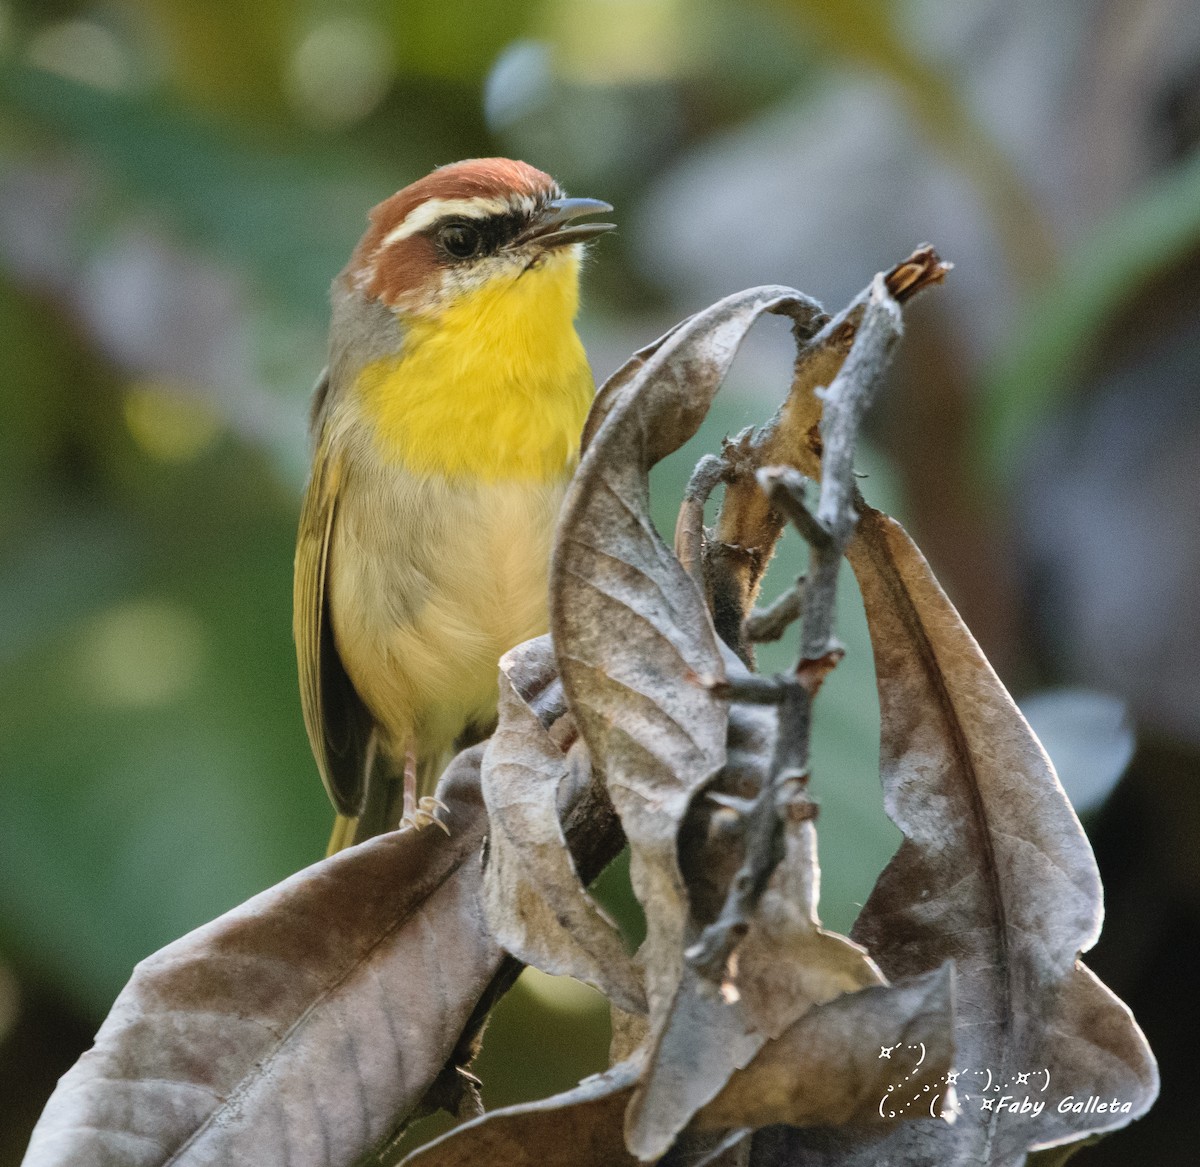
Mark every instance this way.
x=445 y=428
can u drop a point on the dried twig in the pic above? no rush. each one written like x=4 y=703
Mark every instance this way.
x=748 y=527
x=770 y=623
x=828 y=531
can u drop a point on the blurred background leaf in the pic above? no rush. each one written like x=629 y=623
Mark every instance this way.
x=1113 y=263
x=180 y=182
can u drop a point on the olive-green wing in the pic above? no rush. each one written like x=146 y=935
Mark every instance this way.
x=338 y=723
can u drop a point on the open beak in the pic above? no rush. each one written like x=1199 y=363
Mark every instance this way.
x=553 y=225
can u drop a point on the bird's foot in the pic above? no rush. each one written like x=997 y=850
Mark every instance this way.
x=424 y=814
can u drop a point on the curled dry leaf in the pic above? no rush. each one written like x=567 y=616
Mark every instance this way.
x=634 y=637
x=707 y=1040
x=579 y=1128
x=995 y=873
x=786 y=963
x=827 y=529
x=631 y=629
x=299 y=1028
x=790 y=1081
x=610 y=391
x=829 y=1068
x=535 y=901
x=629 y=1033
x=701 y=1041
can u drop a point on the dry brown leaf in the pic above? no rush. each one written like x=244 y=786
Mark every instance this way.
x=535 y=901
x=634 y=638
x=608 y=393
x=701 y=1042
x=829 y=1068
x=532 y=672
x=298 y=1028
x=629 y=1032
x=580 y=1128
x=996 y=874
x=786 y=963
x=790 y=1080
x=631 y=630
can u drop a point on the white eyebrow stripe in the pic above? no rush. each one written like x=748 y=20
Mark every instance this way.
x=430 y=211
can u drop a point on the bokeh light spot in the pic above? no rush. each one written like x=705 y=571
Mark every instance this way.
x=614 y=42
x=519 y=82
x=141 y=654
x=341 y=70
x=169 y=425
x=84 y=51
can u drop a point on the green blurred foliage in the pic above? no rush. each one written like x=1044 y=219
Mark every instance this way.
x=220 y=187
x=150 y=745
x=1117 y=261
x=153 y=765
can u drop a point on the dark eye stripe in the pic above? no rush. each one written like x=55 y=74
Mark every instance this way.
x=494 y=230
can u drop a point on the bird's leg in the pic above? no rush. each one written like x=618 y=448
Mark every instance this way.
x=421 y=812
x=409 y=815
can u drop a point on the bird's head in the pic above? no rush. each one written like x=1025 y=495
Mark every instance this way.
x=464 y=227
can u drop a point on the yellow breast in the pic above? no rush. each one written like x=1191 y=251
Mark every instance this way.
x=456 y=578
x=494 y=387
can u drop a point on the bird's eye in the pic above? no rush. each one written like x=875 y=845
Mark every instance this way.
x=460 y=240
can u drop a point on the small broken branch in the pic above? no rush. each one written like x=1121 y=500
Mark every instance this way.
x=785 y=490
x=752 y=689
x=768 y=624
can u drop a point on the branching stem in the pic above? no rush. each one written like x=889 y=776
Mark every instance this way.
x=770 y=623
x=828 y=530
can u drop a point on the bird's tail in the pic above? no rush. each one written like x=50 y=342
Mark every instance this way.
x=383 y=802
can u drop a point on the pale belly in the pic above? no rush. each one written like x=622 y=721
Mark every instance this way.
x=430 y=582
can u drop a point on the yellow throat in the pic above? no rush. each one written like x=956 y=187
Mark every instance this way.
x=496 y=386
